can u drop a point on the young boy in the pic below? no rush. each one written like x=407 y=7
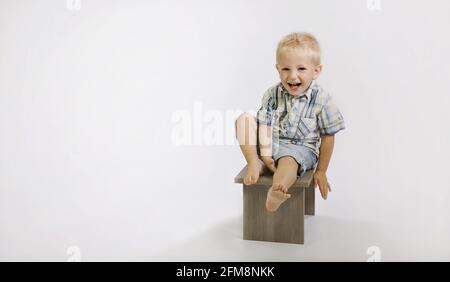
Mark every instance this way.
x=295 y=126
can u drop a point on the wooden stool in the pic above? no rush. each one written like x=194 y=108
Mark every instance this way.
x=286 y=225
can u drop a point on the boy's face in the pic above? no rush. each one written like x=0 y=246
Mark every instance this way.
x=297 y=70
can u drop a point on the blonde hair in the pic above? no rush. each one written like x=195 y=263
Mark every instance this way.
x=302 y=40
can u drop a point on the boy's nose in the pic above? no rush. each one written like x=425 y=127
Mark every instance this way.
x=293 y=75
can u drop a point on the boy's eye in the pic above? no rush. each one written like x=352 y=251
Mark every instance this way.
x=285 y=69
x=302 y=69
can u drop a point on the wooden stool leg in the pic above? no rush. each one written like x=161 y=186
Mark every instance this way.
x=310 y=201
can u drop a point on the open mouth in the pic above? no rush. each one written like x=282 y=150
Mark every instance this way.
x=294 y=86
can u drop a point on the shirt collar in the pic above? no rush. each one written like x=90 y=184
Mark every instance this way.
x=307 y=93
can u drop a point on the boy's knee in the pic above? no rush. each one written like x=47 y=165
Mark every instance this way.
x=288 y=160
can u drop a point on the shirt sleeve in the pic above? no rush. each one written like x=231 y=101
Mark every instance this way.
x=266 y=112
x=330 y=118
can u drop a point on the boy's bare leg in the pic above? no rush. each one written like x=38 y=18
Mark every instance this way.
x=246 y=134
x=284 y=177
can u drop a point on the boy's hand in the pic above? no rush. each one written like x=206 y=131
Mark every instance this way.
x=320 y=178
x=269 y=162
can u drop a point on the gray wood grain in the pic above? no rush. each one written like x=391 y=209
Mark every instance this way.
x=286 y=225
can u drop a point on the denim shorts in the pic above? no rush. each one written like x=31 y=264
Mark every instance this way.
x=303 y=155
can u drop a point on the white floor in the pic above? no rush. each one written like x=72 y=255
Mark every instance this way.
x=120 y=232
x=327 y=239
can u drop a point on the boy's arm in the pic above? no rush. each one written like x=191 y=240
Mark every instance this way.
x=265 y=145
x=320 y=177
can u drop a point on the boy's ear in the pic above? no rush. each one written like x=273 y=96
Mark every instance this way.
x=276 y=67
x=317 y=71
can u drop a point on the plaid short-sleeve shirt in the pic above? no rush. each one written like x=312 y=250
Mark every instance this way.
x=300 y=119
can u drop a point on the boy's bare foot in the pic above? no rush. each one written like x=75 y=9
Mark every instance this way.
x=275 y=197
x=254 y=170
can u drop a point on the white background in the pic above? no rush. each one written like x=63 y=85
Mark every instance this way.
x=87 y=96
